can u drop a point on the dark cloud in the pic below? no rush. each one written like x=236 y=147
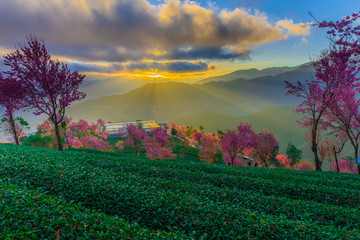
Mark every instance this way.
x=188 y=66
x=173 y=66
x=125 y=30
x=92 y=67
x=207 y=53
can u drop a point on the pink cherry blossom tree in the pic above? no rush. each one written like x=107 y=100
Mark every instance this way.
x=135 y=136
x=344 y=117
x=50 y=86
x=77 y=130
x=120 y=145
x=335 y=143
x=197 y=136
x=84 y=135
x=265 y=143
x=47 y=128
x=344 y=165
x=157 y=145
x=209 y=147
x=336 y=68
x=236 y=142
x=230 y=145
x=11 y=93
x=304 y=165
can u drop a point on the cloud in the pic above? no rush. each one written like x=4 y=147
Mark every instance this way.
x=130 y=30
x=168 y=66
x=217 y=53
x=304 y=40
x=95 y=67
x=294 y=29
x=172 y=66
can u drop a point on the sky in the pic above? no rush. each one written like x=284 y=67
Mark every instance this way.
x=122 y=44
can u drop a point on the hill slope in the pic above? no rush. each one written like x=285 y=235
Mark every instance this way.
x=247 y=74
x=169 y=101
x=165 y=102
x=169 y=199
x=280 y=120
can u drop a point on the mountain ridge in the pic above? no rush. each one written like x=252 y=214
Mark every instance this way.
x=248 y=74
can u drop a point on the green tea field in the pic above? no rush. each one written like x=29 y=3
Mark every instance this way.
x=48 y=194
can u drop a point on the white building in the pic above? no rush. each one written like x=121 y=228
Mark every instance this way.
x=113 y=128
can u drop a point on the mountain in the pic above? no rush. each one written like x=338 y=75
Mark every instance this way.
x=165 y=102
x=280 y=120
x=270 y=89
x=248 y=74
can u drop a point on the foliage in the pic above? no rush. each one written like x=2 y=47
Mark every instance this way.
x=304 y=165
x=157 y=145
x=47 y=128
x=173 y=132
x=336 y=71
x=284 y=161
x=197 y=136
x=11 y=94
x=38 y=141
x=84 y=135
x=14 y=127
x=120 y=145
x=50 y=85
x=345 y=165
x=209 y=148
x=134 y=137
x=236 y=142
x=265 y=144
x=293 y=153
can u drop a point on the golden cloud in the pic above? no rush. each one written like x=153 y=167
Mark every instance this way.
x=294 y=29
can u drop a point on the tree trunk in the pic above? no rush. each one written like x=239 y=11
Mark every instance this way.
x=265 y=163
x=232 y=160
x=58 y=137
x=336 y=160
x=13 y=128
x=317 y=162
x=356 y=160
x=314 y=149
x=66 y=138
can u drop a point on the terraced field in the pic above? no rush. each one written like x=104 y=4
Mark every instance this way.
x=45 y=193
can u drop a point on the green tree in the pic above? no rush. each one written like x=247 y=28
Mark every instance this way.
x=294 y=153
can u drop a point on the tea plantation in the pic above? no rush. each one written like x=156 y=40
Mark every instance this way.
x=49 y=194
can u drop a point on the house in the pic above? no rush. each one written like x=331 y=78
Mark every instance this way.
x=113 y=128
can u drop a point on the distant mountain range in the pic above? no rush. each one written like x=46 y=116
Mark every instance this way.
x=166 y=102
x=249 y=74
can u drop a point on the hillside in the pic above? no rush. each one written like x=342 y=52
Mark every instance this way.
x=248 y=74
x=165 y=102
x=269 y=89
x=49 y=194
x=280 y=120
x=169 y=101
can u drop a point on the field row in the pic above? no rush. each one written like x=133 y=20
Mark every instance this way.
x=174 y=200
x=266 y=181
x=30 y=214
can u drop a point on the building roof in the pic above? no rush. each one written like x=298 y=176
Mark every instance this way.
x=147 y=124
